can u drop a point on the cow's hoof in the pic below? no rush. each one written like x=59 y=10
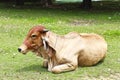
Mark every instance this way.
x=45 y=64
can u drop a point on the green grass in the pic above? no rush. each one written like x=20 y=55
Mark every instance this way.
x=15 y=23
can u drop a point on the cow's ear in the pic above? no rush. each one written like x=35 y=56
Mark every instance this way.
x=45 y=30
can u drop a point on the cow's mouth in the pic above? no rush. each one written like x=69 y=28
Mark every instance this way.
x=22 y=51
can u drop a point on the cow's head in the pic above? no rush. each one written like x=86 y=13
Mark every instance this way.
x=33 y=40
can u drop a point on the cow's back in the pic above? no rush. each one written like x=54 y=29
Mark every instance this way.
x=71 y=35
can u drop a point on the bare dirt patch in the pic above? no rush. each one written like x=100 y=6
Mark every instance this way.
x=81 y=22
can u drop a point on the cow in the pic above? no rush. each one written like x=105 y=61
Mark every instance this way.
x=63 y=53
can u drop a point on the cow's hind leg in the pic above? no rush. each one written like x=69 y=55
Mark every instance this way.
x=63 y=68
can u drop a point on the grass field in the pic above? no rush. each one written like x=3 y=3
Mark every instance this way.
x=15 y=23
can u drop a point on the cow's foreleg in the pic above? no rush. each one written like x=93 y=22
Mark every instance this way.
x=45 y=63
x=64 y=68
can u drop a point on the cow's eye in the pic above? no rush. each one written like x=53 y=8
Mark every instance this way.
x=33 y=36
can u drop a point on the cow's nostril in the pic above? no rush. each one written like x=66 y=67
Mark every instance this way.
x=19 y=49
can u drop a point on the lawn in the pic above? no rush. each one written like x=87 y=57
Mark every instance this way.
x=15 y=23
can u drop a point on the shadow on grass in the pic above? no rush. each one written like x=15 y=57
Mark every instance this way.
x=36 y=68
x=99 y=63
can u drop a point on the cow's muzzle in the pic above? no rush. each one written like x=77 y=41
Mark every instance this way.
x=23 y=49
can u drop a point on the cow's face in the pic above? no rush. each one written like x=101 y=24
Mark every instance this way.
x=33 y=41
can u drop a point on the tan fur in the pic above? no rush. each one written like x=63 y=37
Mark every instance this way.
x=75 y=49
x=66 y=53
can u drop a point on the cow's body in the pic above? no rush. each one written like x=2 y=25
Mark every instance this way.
x=76 y=49
x=66 y=53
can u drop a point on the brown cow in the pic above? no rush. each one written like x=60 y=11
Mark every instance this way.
x=64 y=53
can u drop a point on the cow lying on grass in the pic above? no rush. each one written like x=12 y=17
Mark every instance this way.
x=64 y=53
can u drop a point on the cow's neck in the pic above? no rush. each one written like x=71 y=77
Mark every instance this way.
x=54 y=40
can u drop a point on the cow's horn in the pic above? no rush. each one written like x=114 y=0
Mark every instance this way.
x=45 y=30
